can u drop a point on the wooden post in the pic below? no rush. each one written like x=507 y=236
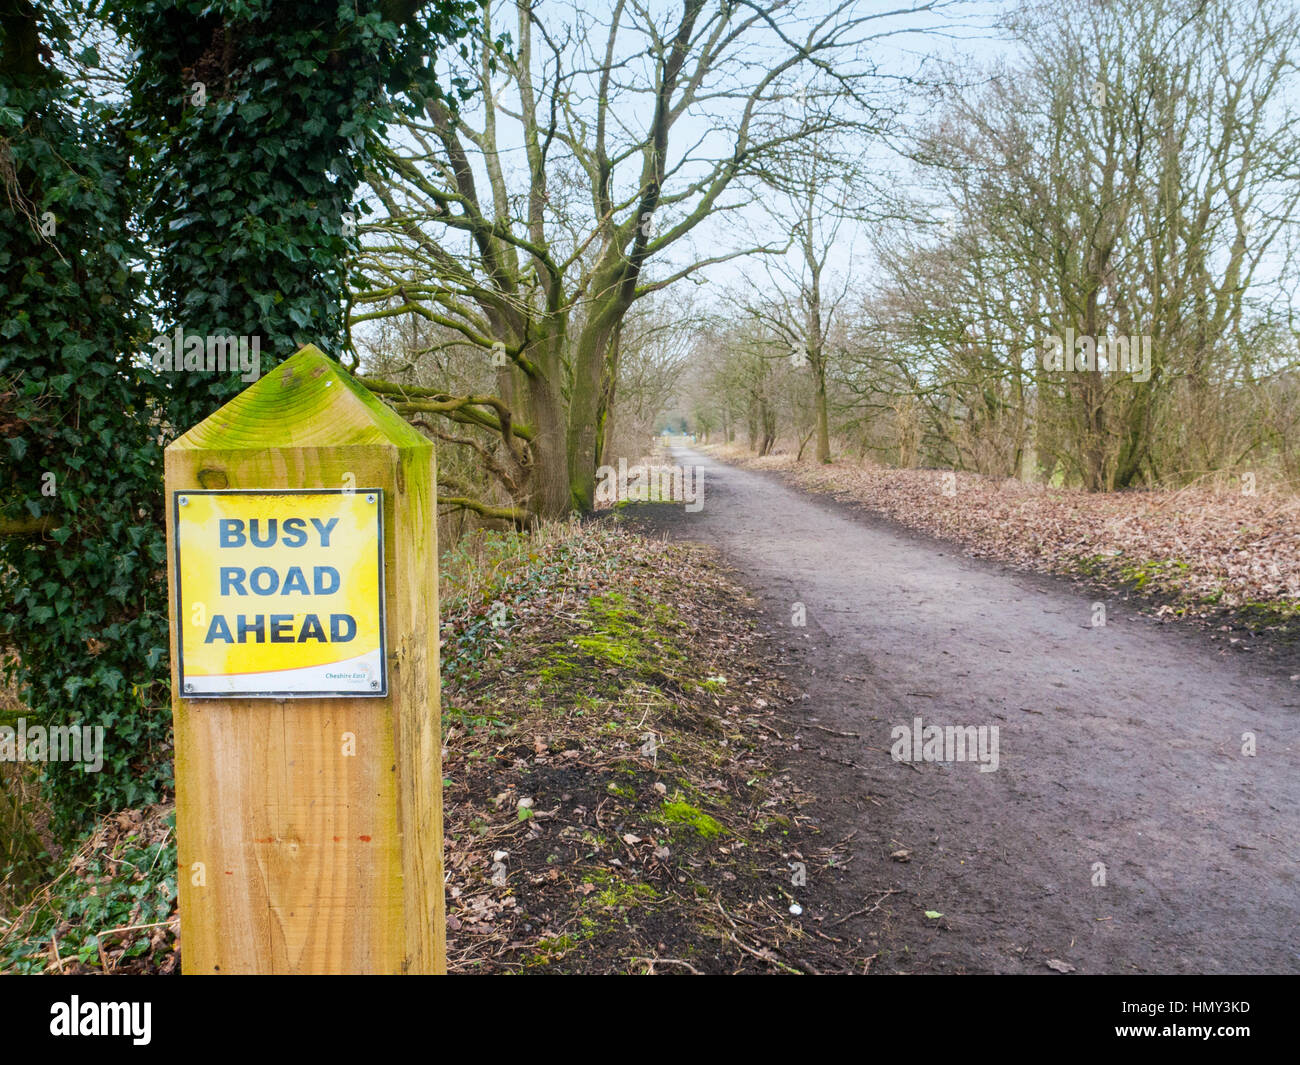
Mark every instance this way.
x=309 y=825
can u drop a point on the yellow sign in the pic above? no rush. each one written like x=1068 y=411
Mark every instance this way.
x=280 y=594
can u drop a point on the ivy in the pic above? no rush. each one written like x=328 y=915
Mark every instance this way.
x=252 y=120
x=225 y=217
x=84 y=606
x=121 y=877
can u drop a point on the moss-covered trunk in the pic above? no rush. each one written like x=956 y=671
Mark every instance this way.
x=591 y=389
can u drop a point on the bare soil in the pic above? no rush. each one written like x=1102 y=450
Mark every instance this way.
x=1119 y=744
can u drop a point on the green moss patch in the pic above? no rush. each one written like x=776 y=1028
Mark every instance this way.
x=683 y=813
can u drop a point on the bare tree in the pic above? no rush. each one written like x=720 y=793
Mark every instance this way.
x=799 y=301
x=1134 y=176
x=580 y=185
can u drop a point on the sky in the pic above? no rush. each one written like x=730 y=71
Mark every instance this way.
x=905 y=40
x=911 y=45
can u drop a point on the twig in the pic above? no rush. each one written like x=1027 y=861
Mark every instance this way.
x=652 y=962
x=867 y=909
x=136 y=928
x=798 y=965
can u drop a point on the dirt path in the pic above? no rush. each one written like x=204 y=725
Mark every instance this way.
x=1119 y=744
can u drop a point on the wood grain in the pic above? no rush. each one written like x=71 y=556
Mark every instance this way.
x=311 y=860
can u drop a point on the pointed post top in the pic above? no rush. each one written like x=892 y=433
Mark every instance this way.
x=309 y=400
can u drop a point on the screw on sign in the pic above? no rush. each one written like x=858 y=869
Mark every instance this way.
x=301 y=612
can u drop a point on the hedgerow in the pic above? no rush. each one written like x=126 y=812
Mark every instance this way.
x=232 y=216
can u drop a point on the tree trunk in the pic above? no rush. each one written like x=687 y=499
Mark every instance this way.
x=549 y=489
x=591 y=387
x=823 y=426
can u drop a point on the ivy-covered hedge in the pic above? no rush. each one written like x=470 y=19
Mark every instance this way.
x=214 y=199
x=252 y=120
x=83 y=602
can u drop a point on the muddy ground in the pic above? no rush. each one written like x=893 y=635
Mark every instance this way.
x=1120 y=746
